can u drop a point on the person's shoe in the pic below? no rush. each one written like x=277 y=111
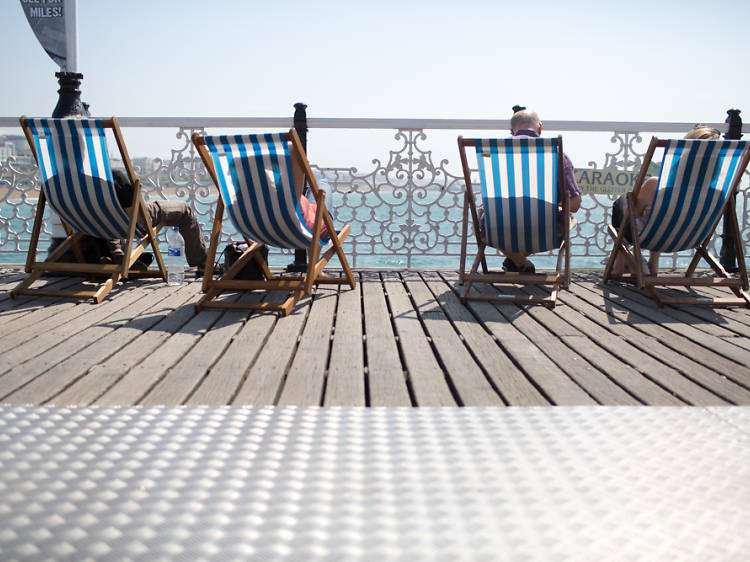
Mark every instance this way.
x=510 y=266
x=217 y=272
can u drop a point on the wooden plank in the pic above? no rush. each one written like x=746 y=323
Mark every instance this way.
x=174 y=312
x=518 y=333
x=305 y=380
x=49 y=348
x=265 y=377
x=657 y=341
x=123 y=327
x=425 y=376
x=345 y=385
x=507 y=378
x=465 y=376
x=179 y=382
x=672 y=389
x=385 y=372
x=226 y=375
x=715 y=352
x=131 y=388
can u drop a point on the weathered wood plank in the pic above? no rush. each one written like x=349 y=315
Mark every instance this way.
x=385 y=372
x=221 y=384
x=346 y=370
x=684 y=324
x=425 y=375
x=141 y=378
x=507 y=378
x=680 y=337
x=466 y=377
x=123 y=327
x=670 y=387
x=265 y=377
x=178 y=383
x=652 y=340
x=518 y=333
x=27 y=361
x=172 y=313
x=306 y=377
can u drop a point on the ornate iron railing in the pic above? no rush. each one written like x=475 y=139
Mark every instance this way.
x=404 y=206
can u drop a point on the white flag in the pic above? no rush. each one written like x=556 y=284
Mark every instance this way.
x=47 y=19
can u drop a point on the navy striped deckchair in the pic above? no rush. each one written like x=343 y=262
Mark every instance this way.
x=695 y=189
x=525 y=208
x=76 y=178
x=256 y=183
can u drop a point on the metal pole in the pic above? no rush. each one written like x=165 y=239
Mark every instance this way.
x=71 y=35
x=728 y=253
x=69 y=102
x=300 y=125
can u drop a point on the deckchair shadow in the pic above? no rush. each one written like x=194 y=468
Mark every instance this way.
x=256 y=183
x=696 y=187
x=525 y=209
x=77 y=183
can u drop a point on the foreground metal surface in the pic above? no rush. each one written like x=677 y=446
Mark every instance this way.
x=372 y=484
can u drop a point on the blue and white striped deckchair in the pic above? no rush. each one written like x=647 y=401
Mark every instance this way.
x=77 y=183
x=525 y=210
x=256 y=182
x=695 y=189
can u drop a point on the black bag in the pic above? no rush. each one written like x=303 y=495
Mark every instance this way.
x=251 y=271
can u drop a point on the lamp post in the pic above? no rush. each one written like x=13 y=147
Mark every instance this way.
x=728 y=253
x=300 y=125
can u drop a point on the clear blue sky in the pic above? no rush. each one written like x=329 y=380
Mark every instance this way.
x=582 y=60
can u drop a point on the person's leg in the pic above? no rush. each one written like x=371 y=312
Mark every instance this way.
x=653 y=263
x=618 y=213
x=517 y=262
x=180 y=214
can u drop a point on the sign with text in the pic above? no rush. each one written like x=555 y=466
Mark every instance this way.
x=607 y=182
x=47 y=20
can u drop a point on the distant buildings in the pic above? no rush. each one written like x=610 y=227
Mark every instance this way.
x=16 y=147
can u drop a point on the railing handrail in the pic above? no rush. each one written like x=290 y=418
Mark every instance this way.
x=387 y=123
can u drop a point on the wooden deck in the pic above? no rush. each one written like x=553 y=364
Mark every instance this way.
x=399 y=339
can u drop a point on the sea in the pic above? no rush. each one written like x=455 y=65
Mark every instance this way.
x=377 y=238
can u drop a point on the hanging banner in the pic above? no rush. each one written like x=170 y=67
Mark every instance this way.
x=47 y=20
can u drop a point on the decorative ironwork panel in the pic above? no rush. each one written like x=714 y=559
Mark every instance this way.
x=405 y=211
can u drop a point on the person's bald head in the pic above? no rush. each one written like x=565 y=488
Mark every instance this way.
x=525 y=119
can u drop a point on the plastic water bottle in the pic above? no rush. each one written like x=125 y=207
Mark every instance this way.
x=175 y=257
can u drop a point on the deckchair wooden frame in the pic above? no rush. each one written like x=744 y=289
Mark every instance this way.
x=554 y=281
x=298 y=284
x=634 y=258
x=113 y=272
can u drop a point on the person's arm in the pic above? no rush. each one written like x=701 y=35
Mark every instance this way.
x=646 y=195
x=571 y=184
x=575 y=203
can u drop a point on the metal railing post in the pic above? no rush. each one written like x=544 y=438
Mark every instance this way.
x=728 y=253
x=300 y=125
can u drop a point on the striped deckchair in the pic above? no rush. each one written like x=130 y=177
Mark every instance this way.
x=76 y=178
x=525 y=209
x=695 y=189
x=253 y=174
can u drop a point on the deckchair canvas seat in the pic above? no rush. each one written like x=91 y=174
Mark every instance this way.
x=77 y=183
x=695 y=190
x=525 y=210
x=253 y=174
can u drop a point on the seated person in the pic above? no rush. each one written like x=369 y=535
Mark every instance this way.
x=526 y=123
x=308 y=209
x=167 y=212
x=643 y=208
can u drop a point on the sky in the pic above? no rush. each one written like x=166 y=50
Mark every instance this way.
x=657 y=60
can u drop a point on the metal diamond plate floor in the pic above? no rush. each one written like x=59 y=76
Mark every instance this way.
x=580 y=483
